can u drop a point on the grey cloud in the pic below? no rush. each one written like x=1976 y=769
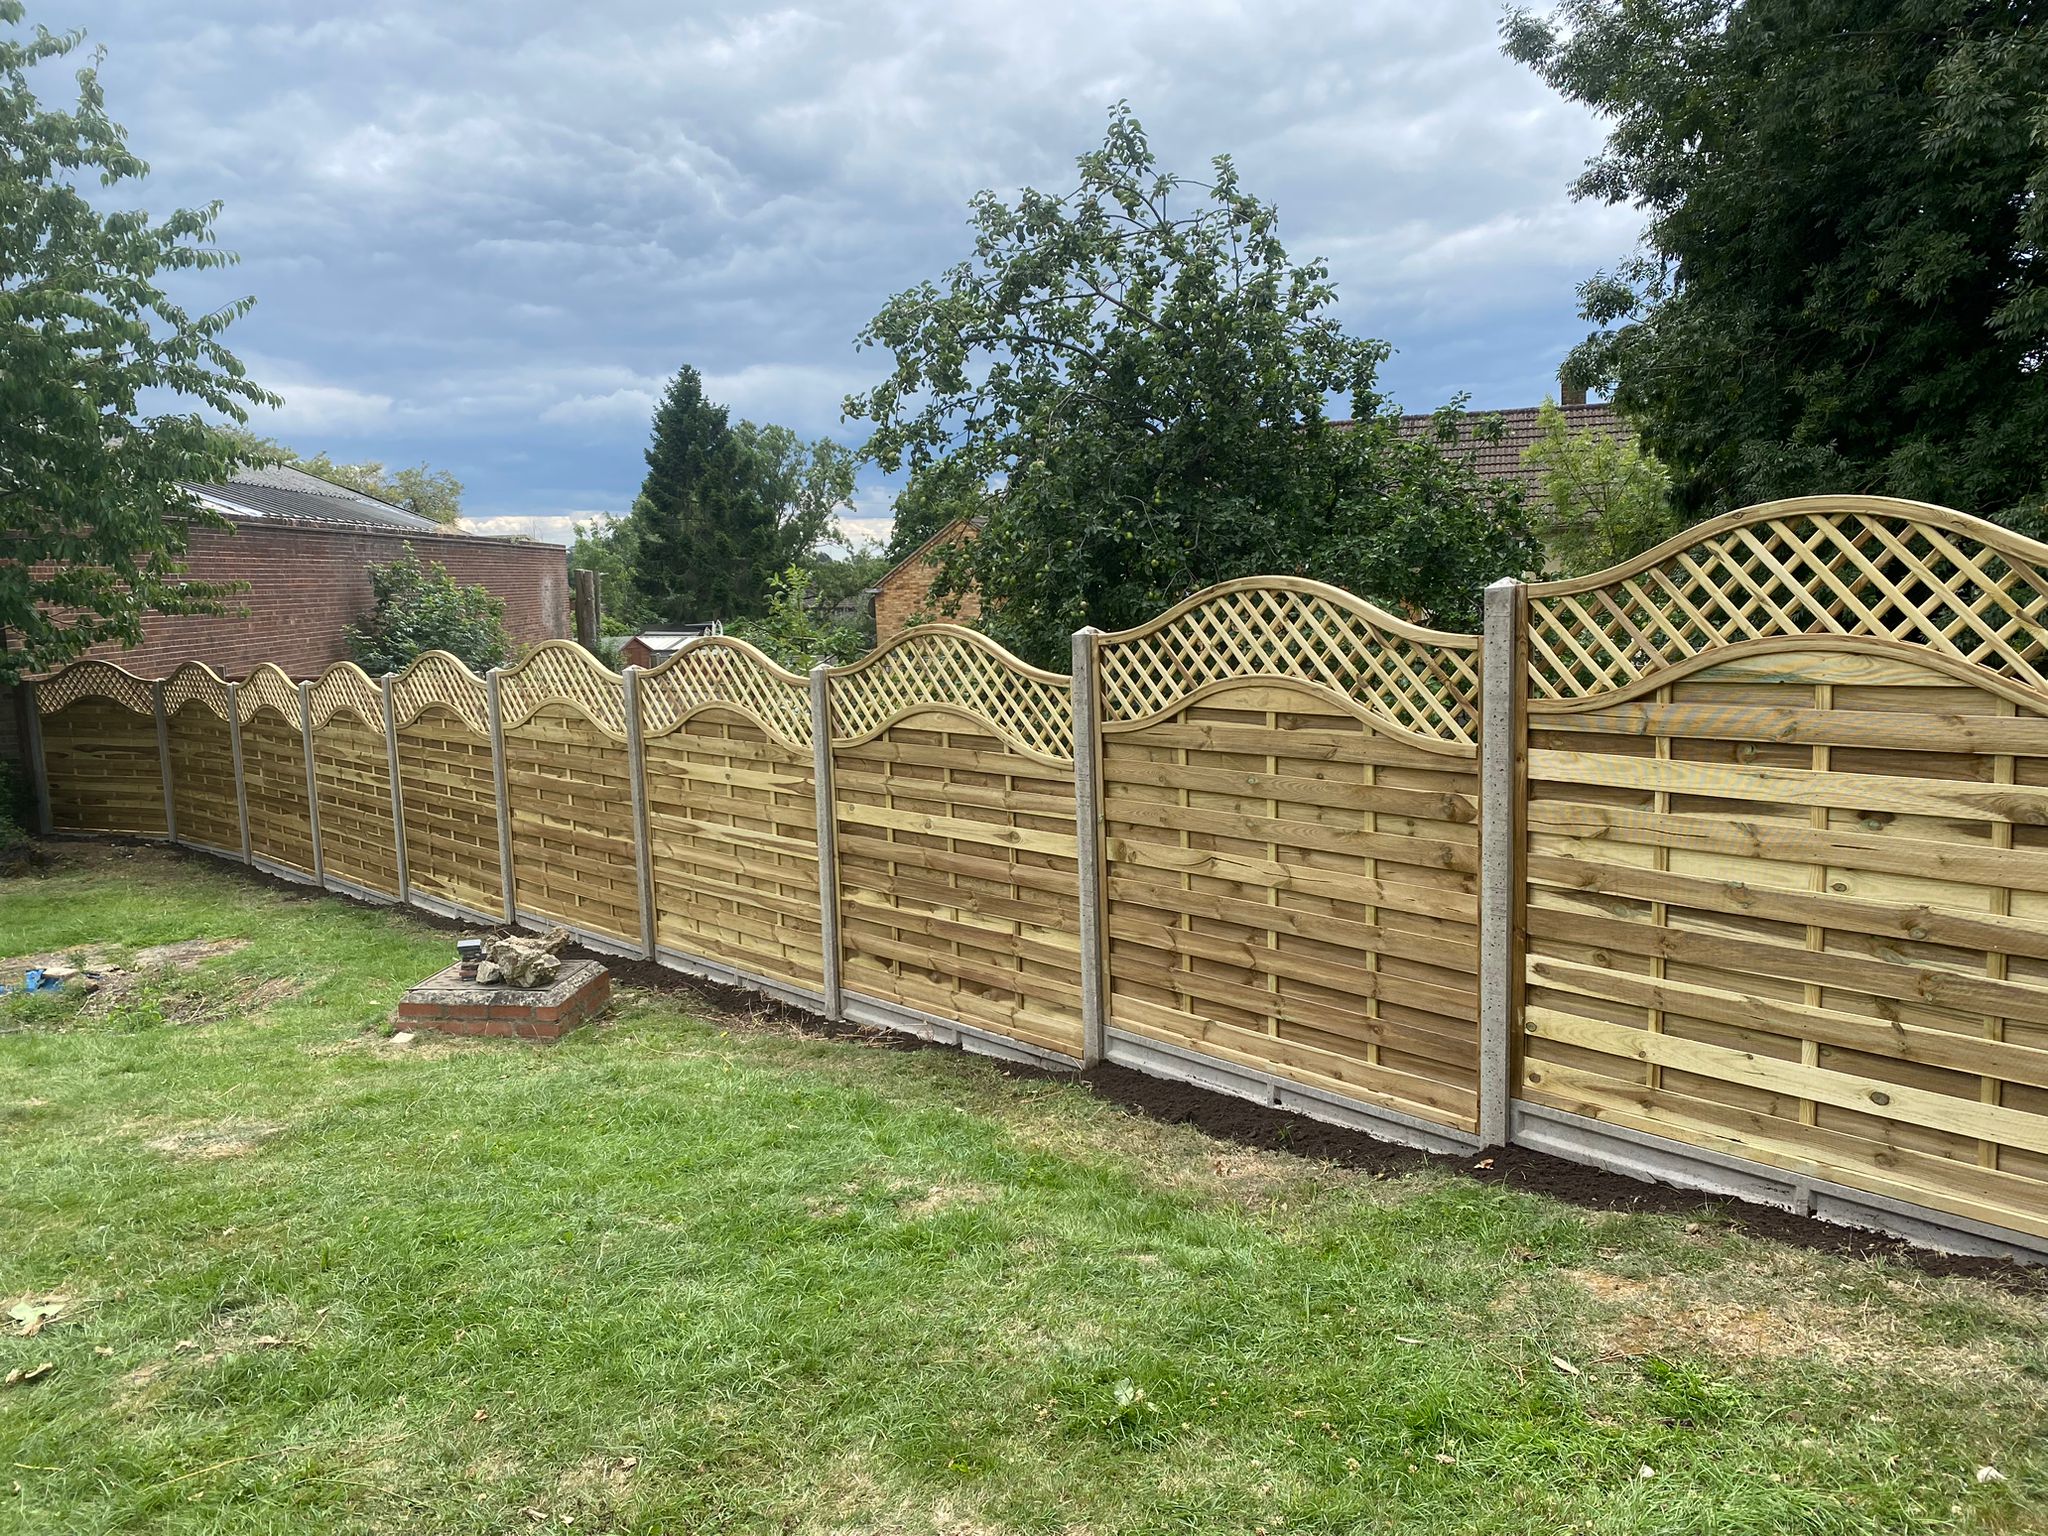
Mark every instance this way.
x=485 y=235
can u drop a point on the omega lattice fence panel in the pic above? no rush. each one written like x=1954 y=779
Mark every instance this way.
x=274 y=770
x=202 y=759
x=100 y=752
x=447 y=785
x=732 y=812
x=1290 y=817
x=568 y=783
x=953 y=802
x=1787 y=850
x=352 y=780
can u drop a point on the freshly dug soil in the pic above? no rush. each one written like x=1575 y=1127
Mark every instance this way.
x=1268 y=1129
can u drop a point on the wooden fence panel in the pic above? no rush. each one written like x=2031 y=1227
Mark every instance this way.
x=953 y=796
x=732 y=812
x=202 y=760
x=100 y=751
x=1788 y=887
x=1290 y=821
x=352 y=780
x=447 y=786
x=274 y=770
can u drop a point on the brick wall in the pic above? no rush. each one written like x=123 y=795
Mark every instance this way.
x=905 y=593
x=308 y=583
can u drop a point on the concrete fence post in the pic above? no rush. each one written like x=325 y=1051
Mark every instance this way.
x=312 y=782
x=397 y=795
x=498 y=778
x=643 y=846
x=1500 y=861
x=163 y=758
x=241 y=778
x=828 y=842
x=38 y=767
x=1087 y=704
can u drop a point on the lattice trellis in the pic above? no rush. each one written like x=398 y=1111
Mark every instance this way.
x=345 y=686
x=559 y=672
x=195 y=682
x=93 y=680
x=1863 y=566
x=268 y=685
x=944 y=665
x=438 y=678
x=1421 y=682
x=717 y=670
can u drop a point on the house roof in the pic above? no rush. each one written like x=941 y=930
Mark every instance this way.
x=1502 y=460
x=665 y=640
x=950 y=530
x=291 y=495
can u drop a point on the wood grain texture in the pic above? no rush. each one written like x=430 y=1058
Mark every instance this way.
x=104 y=775
x=1293 y=889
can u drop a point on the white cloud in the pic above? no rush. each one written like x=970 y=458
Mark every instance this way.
x=548 y=528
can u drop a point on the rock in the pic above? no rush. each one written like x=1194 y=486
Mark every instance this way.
x=519 y=961
x=403 y=1037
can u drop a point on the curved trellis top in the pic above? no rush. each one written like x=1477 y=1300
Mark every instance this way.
x=93 y=680
x=436 y=677
x=946 y=668
x=1872 y=570
x=563 y=672
x=1419 y=683
x=196 y=682
x=268 y=684
x=345 y=687
x=716 y=669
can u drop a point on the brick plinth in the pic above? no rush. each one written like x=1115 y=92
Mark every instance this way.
x=456 y=1007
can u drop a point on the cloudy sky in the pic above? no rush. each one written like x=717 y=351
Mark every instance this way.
x=483 y=235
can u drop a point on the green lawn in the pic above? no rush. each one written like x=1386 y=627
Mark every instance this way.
x=682 y=1274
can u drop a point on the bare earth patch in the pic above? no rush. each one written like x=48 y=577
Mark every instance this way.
x=945 y=1197
x=210 y=1143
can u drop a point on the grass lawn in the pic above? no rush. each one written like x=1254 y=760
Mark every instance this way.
x=685 y=1274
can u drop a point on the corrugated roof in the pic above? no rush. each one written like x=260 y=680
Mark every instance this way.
x=277 y=491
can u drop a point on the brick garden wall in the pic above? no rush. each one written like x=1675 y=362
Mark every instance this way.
x=308 y=583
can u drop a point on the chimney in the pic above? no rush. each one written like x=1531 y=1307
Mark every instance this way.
x=1569 y=390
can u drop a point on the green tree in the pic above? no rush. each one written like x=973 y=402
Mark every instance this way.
x=942 y=492
x=1147 y=384
x=1603 y=497
x=1842 y=283
x=416 y=607
x=610 y=546
x=725 y=509
x=94 y=518
x=793 y=630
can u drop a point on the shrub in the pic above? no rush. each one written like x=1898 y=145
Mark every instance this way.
x=418 y=607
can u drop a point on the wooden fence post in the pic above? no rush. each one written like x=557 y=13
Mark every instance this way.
x=497 y=715
x=1088 y=849
x=241 y=779
x=312 y=782
x=828 y=842
x=643 y=847
x=1500 y=831
x=397 y=798
x=163 y=758
x=38 y=769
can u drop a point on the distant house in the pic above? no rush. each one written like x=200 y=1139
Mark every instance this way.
x=651 y=647
x=905 y=592
x=305 y=547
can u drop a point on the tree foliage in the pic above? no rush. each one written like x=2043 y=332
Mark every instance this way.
x=93 y=513
x=1603 y=497
x=610 y=546
x=725 y=509
x=1842 y=284
x=1128 y=382
x=795 y=630
x=432 y=493
x=416 y=607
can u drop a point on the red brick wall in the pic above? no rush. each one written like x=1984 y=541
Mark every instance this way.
x=905 y=593
x=308 y=583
